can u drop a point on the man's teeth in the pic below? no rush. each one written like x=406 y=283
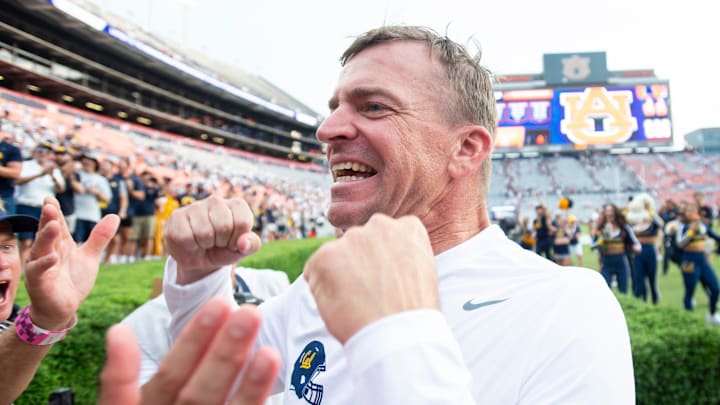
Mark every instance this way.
x=349 y=171
x=354 y=166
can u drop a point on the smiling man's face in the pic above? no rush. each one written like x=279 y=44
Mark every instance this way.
x=10 y=269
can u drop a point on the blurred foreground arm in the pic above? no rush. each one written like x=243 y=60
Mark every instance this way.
x=202 y=367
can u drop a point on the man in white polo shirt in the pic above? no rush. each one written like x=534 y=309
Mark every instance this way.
x=421 y=300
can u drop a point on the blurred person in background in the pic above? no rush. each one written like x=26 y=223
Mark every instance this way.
x=669 y=213
x=10 y=168
x=136 y=195
x=144 y=219
x=611 y=236
x=692 y=238
x=647 y=227
x=87 y=204
x=543 y=231
x=40 y=178
x=576 y=247
x=561 y=242
x=707 y=216
x=67 y=165
x=118 y=204
x=165 y=205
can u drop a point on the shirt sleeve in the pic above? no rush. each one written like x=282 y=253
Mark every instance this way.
x=185 y=300
x=409 y=358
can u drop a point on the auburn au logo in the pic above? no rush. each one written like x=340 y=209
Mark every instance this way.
x=597 y=116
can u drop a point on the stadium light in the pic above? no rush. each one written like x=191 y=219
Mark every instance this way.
x=204 y=137
x=79 y=13
x=68 y=99
x=122 y=114
x=2 y=77
x=144 y=121
x=33 y=87
x=94 y=106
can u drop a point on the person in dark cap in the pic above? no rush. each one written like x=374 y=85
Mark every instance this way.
x=58 y=276
x=96 y=192
x=10 y=167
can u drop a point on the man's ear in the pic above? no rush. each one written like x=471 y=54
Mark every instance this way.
x=473 y=145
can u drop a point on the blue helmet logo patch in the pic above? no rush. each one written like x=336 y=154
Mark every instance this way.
x=309 y=364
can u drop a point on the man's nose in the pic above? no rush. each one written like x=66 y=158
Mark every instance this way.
x=338 y=125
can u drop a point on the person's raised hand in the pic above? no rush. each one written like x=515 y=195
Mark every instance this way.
x=209 y=234
x=59 y=274
x=201 y=367
x=381 y=268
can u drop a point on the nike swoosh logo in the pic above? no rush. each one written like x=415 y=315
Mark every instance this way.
x=471 y=306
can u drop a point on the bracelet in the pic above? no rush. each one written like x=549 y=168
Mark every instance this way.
x=34 y=335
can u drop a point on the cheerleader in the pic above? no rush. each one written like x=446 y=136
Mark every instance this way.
x=611 y=236
x=561 y=242
x=691 y=238
x=647 y=226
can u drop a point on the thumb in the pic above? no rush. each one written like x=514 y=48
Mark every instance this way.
x=119 y=378
x=101 y=234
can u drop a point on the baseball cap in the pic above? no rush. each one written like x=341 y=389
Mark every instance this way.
x=20 y=223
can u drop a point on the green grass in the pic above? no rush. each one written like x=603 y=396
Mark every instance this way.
x=671 y=285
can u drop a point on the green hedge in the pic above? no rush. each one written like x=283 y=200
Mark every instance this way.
x=676 y=355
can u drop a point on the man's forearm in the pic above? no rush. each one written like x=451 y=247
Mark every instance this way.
x=18 y=363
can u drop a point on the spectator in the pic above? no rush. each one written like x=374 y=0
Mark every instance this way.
x=73 y=186
x=118 y=205
x=40 y=178
x=144 y=219
x=96 y=192
x=136 y=196
x=10 y=168
x=544 y=230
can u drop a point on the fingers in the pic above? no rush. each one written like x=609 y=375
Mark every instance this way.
x=51 y=211
x=181 y=361
x=248 y=243
x=225 y=358
x=221 y=220
x=119 y=378
x=243 y=219
x=259 y=378
x=45 y=239
x=101 y=235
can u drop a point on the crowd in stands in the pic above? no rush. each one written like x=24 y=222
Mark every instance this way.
x=95 y=165
x=592 y=179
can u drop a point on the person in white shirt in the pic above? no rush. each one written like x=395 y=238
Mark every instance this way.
x=151 y=321
x=40 y=178
x=87 y=204
x=421 y=300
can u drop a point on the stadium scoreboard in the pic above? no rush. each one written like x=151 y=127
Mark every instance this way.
x=577 y=104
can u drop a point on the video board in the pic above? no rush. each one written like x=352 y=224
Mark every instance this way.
x=583 y=117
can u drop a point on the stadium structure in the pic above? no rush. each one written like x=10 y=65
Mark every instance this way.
x=575 y=130
x=581 y=131
x=85 y=62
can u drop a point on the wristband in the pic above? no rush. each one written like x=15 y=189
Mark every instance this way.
x=34 y=335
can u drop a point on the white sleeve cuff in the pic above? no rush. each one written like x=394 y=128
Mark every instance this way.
x=184 y=301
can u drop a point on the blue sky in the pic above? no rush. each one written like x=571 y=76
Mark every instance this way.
x=296 y=44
